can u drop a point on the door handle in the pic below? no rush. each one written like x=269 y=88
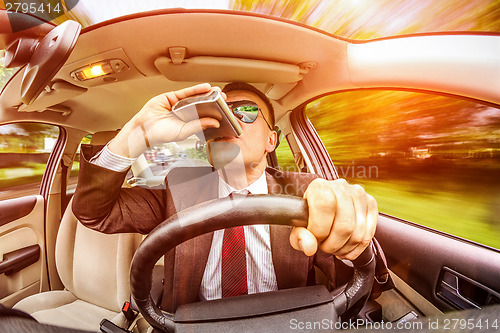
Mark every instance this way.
x=463 y=292
x=450 y=290
x=17 y=260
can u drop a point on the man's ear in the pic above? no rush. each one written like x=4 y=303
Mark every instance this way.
x=271 y=141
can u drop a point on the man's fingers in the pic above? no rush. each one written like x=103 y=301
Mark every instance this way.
x=303 y=240
x=359 y=233
x=195 y=126
x=357 y=245
x=322 y=201
x=168 y=99
x=194 y=90
x=342 y=217
x=344 y=223
x=371 y=216
x=354 y=253
x=207 y=122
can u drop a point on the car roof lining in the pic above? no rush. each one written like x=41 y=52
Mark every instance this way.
x=145 y=37
x=155 y=37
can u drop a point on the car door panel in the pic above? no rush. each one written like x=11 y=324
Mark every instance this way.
x=22 y=248
x=450 y=272
x=418 y=302
x=13 y=210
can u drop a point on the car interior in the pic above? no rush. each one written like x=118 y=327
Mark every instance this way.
x=68 y=277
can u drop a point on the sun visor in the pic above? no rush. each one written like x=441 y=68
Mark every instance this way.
x=58 y=92
x=222 y=69
x=48 y=57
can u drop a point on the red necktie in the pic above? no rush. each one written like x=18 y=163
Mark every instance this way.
x=234 y=266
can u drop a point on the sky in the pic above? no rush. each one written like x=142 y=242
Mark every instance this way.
x=357 y=19
x=12 y=129
x=100 y=10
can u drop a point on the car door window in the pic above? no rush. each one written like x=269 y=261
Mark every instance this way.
x=24 y=151
x=5 y=73
x=284 y=154
x=75 y=167
x=430 y=159
x=190 y=152
x=158 y=160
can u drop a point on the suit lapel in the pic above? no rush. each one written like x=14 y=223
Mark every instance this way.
x=290 y=265
x=191 y=257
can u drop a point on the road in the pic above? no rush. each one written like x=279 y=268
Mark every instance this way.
x=34 y=188
x=29 y=189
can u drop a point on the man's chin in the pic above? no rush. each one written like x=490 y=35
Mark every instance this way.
x=221 y=153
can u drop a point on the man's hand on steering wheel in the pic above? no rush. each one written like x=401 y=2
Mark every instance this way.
x=342 y=219
x=225 y=213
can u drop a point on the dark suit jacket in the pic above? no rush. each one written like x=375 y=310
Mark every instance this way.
x=101 y=204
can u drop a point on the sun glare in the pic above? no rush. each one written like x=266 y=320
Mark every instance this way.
x=355 y=2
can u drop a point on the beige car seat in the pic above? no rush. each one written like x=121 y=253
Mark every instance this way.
x=94 y=268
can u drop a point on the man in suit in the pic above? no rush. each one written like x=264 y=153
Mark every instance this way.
x=342 y=217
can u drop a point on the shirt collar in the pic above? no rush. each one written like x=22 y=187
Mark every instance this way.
x=257 y=187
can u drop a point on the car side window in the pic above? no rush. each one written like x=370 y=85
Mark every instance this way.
x=75 y=167
x=24 y=151
x=190 y=152
x=429 y=159
x=157 y=161
x=284 y=154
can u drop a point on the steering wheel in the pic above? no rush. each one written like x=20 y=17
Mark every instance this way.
x=248 y=310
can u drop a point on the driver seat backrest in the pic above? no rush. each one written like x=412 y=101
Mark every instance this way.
x=94 y=266
x=94 y=269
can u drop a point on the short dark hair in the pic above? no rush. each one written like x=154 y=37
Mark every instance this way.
x=248 y=87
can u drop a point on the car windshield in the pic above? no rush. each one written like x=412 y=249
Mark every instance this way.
x=356 y=19
x=5 y=73
x=353 y=19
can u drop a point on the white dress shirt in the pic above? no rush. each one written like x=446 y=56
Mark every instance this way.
x=109 y=160
x=260 y=269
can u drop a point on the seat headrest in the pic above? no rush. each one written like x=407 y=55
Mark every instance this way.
x=101 y=138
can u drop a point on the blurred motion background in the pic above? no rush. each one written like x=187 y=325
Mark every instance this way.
x=430 y=159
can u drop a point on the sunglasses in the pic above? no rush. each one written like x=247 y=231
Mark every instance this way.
x=246 y=111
